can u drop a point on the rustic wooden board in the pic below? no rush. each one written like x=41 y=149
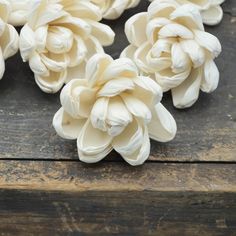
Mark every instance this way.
x=69 y=198
x=73 y=176
x=207 y=132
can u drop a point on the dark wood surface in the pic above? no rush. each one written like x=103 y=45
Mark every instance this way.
x=188 y=186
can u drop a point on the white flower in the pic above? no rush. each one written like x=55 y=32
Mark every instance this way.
x=169 y=44
x=211 y=10
x=113 y=108
x=19 y=12
x=113 y=9
x=8 y=36
x=58 y=39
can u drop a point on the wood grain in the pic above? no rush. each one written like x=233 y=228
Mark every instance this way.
x=78 y=177
x=116 y=213
x=206 y=132
x=68 y=198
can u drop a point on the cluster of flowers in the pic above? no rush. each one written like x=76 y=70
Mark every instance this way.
x=114 y=104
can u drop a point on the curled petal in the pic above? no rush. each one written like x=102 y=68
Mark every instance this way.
x=137 y=107
x=77 y=99
x=208 y=41
x=37 y=66
x=161 y=8
x=93 y=47
x=99 y=113
x=135 y=28
x=118 y=117
x=78 y=52
x=163 y=127
x=133 y=144
x=194 y=51
x=168 y=80
x=128 y=52
x=211 y=77
x=27 y=42
x=51 y=83
x=9 y=41
x=96 y=67
x=55 y=62
x=41 y=35
x=186 y=94
x=115 y=87
x=66 y=126
x=93 y=144
x=147 y=90
x=175 y=30
x=102 y=32
x=122 y=67
x=189 y=16
x=180 y=60
x=154 y=26
x=213 y=15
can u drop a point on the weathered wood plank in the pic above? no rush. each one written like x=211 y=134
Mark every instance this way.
x=26 y=213
x=207 y=132
x=69 y=198
x=78 y=177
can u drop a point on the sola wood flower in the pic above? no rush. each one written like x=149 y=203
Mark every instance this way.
x=58 y=39
x=113 y=108
x=211 y=10
x=19 y=12
x=8 y=36
x=112 y=9
x=169 y=44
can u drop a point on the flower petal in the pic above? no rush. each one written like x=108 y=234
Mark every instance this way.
x=208 y=41
x=211 y=77
x=186 y=94
x=137 y=107
x=27 y=42
x=213 y=15
x=180 y=60
x=77 y=99
x=122 y=67
x=175 y=30
x=135 y=28
x=51 y=83
x=194 y=51
x=162 y=127
x=96 y=67
x=128 y=52
x=93 y=144
x=99 y=113
x=66 y=126
x=133 y=144
x=118 y=117
x=102 y=32
x=37 y=66
x=167 y=79
x=147 y=90
x=189 y=16
x=115 y=87
x=9 y=41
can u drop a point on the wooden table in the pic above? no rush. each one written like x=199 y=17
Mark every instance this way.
x=188 y=186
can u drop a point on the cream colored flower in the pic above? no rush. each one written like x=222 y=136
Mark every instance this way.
x=113 y=9
x=211 y=10
x=113 y=108
x=169 y=44
x=58 y=39
x=8 y=36
x=19 y=12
